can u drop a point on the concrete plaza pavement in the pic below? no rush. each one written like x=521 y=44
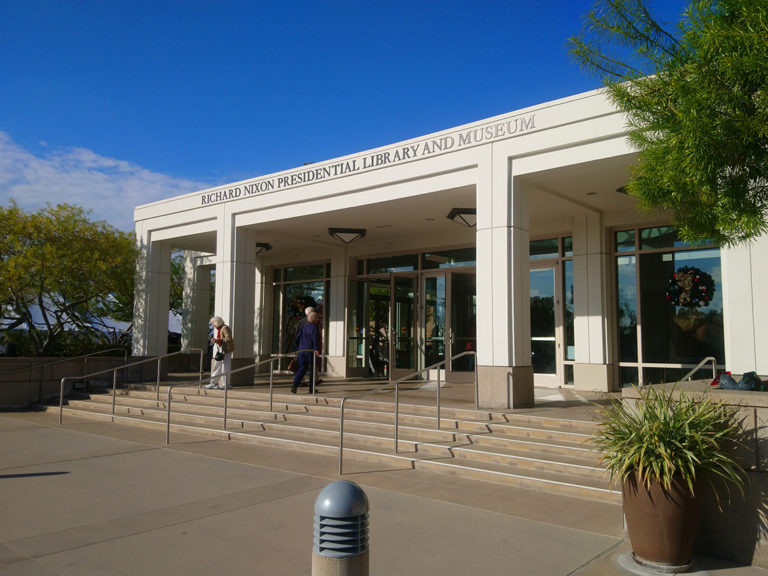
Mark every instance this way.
x=91 y=497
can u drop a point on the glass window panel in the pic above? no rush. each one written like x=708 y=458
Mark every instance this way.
x=625 y=241
x=663 y=375
x=463 y=319
x=547 y=248
x=448 y=258
x=304 y=272
x=627 y=307
x=568 y=246
x=278 y=274
x=402 y=263
x=434 y=320
x=660 y=237
x=360 y=267
x=569 y=374
x=570 y=348
x=682 y=306
x=356 y=324
x=543 y=335
x=296 y=298
x=628 y=376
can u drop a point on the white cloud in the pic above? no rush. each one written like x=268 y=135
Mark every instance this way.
x=108 y=187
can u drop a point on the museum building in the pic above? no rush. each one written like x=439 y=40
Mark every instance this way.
x=511 y=237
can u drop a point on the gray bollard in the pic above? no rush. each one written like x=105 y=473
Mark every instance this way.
x=341 y=531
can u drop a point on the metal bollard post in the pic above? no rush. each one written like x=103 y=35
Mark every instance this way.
x=341 y=531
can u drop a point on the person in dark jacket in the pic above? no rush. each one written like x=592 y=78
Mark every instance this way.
x=307 y=338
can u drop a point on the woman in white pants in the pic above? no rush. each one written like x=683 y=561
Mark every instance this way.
x=221 y=363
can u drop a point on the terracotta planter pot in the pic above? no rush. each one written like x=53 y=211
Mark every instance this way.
x=662 y=524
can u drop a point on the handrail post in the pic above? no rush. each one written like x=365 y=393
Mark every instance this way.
x=157 y=387
x=61 y=399
x=397 y=413
x=271 y=381
x=200 y=381
x=438 y=397
x=85 y=372
x=477 y=392
x=226 y=392
x=341 y=433
x=114 y=390
x=168 y=417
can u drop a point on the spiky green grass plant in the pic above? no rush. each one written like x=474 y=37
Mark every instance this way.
x=662 y=438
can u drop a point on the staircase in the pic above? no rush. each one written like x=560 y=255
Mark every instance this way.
x=523 y=450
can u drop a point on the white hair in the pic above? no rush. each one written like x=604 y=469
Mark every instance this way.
x=217 y=322
x=308 y=310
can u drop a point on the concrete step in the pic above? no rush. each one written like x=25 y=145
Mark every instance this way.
x=556 y=483
x=520 y=449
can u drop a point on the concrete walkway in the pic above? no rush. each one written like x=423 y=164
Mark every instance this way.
x=106 y=499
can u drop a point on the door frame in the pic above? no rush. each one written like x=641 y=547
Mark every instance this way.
x=553 y=380
x=448 y=374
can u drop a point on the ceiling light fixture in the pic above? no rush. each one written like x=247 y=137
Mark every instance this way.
x=347 y=235
x=262 y=247
x=465 y=216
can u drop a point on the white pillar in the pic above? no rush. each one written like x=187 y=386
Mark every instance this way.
x=152 y=294
x=235 y=291
x=262 y=322
x=593 y=369
x=336 y=308
x=745 y=307
x=236 y=283
x=197 y=297
x=503 y=293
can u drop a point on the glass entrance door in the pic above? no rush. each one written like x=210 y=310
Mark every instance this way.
x=403 y=333
x=377 y=337
x=381 y=326
x=434 y=321
x=544 y=326
x=388 y=338
x=448 y=322
x=463 y=322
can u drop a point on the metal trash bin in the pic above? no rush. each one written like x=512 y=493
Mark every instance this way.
x=341 y=531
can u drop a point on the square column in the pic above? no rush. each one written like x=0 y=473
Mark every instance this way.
x=235 y=291
x=503 y=294
x=152 y=294
x=197 y=297
x=262 y=305
x=337 y=310
x=593 y=369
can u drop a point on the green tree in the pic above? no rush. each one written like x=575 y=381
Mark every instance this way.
x=61 y=277
x=696 y=101
x=176 y=303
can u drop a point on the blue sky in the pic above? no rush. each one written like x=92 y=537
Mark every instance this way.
x=111 y=104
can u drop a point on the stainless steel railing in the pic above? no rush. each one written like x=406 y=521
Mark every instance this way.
x=700 y=365
x=396 y=384
x=271 y=361
x=84 y=357
x=114 y=372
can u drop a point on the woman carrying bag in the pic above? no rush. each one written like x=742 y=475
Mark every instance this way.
x=221 y=363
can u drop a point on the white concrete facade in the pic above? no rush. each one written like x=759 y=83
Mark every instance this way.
x=551 y=170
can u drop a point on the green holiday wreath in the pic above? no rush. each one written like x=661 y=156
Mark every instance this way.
x=690 y=287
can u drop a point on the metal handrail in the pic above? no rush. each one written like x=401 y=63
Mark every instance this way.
x=69 y=359
x=271 y=362
x=699 y=365
x=114 y=371
x=396 y=384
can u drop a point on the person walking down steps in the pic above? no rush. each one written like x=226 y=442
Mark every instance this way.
x=307 y=338
x=221 y=363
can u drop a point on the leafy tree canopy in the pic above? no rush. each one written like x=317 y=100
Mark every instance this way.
x=61 y=277
x=696 y=100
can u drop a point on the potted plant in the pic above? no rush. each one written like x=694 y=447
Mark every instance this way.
x=664 y=450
